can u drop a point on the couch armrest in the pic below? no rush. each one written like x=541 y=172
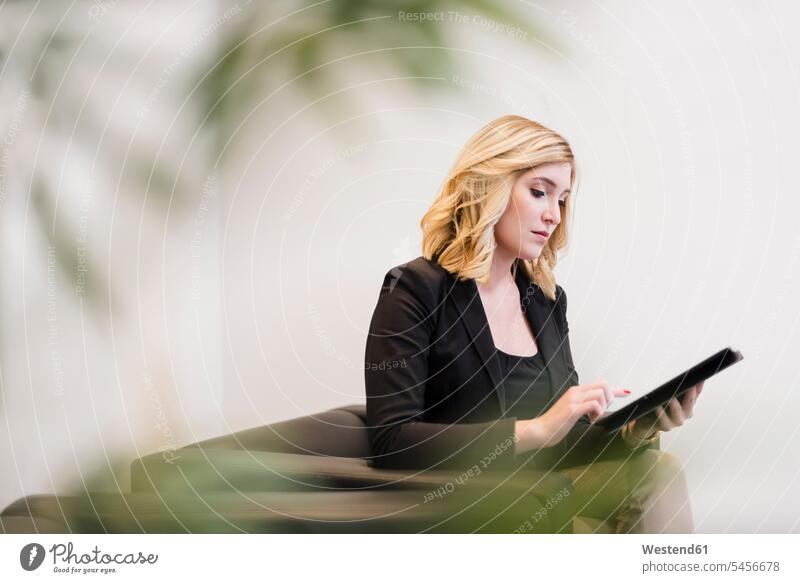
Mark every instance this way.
x=506 y=496
x=254 y=512
x=214 y=469
x=224 y=512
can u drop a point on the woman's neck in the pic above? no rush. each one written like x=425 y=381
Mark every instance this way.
x=500 y=273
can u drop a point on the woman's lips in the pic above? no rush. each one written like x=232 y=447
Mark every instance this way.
x=541 y=234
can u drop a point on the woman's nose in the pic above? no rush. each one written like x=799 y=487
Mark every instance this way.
x=552 y=214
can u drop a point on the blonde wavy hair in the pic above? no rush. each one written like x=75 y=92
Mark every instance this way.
x=458 y=228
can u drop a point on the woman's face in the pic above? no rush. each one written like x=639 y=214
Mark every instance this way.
x=535 y=206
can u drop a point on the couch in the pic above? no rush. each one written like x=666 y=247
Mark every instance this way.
x=310 y=474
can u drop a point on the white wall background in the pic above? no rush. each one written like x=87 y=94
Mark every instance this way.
x=86 y=386
x=684 y=120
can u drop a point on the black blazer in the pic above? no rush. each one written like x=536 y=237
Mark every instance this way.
x=435 y=395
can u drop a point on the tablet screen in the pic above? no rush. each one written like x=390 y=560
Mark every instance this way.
x=672 y=388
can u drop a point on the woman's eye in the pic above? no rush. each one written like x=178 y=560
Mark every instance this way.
x=540 y=193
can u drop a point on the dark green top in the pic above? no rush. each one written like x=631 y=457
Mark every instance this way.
x=526 y=383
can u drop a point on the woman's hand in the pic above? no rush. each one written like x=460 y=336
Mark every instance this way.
x=666 y=418
x=552 y=426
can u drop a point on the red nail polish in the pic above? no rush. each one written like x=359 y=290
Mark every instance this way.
x=626 y=391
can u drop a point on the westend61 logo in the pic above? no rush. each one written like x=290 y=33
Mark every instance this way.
x=32 y=556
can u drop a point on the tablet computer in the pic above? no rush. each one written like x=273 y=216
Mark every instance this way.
x=669 y=390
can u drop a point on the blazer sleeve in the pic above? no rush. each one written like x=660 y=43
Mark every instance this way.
x=397 y=377
x=586 y=442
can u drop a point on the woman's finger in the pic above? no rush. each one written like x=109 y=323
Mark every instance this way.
x=598 y=395
x=676 y=413
x=609 y=394
x=664 y=422
x=612 y=394
x=687 y=401
x=590 y=408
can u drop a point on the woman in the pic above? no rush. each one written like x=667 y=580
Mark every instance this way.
x=468 y=357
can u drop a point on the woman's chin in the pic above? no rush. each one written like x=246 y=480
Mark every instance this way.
x=530 y=254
